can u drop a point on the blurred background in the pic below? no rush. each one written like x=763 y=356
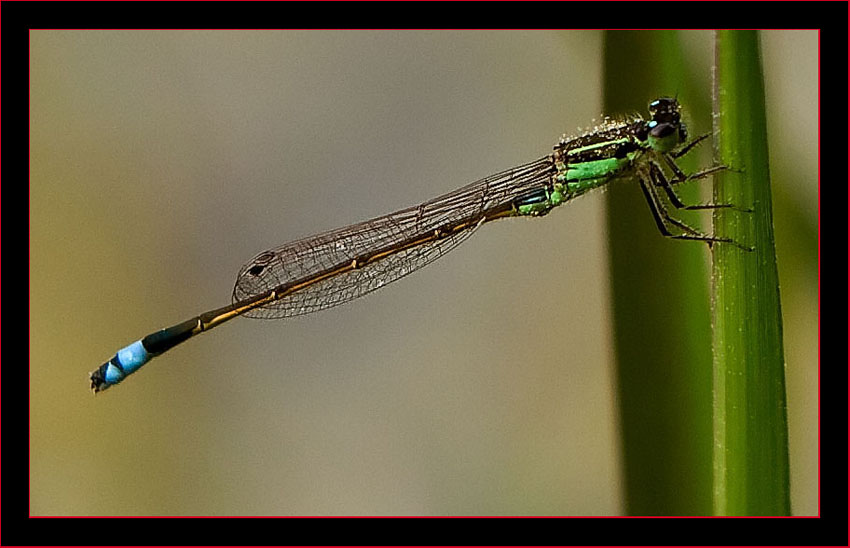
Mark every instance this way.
x=482 y=385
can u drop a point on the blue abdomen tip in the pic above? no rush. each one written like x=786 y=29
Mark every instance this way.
x=133 y=357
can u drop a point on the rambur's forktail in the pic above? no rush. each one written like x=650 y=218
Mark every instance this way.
x=335 y=267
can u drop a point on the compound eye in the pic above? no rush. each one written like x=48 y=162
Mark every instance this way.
x=659 y=131
x=663 y=105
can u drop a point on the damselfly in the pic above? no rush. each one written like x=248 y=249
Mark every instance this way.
x=335 y=267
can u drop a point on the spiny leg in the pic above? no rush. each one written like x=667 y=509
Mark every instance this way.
x=659 y=179
x=682 y=177
x=662 y=209
x=688 y=147
x=662 y=217
x=659 y=212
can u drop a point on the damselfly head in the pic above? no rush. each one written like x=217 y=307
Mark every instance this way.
x=663 y=106
x=666 y=129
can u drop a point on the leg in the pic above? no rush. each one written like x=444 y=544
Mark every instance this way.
x=688 y=147
x=662 y=217
x=680 y=176
x=659 y=179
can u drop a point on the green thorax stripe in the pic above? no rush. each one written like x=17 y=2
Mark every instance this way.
x=587 y=163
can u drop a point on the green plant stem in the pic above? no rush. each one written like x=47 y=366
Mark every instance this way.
x=751 y=474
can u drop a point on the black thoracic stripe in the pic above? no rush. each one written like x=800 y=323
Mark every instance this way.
x=603 y=152
x=636 y=129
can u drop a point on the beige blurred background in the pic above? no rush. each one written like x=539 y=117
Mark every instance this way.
x=162 y=161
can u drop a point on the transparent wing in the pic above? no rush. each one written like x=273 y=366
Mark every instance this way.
x=315 y=256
